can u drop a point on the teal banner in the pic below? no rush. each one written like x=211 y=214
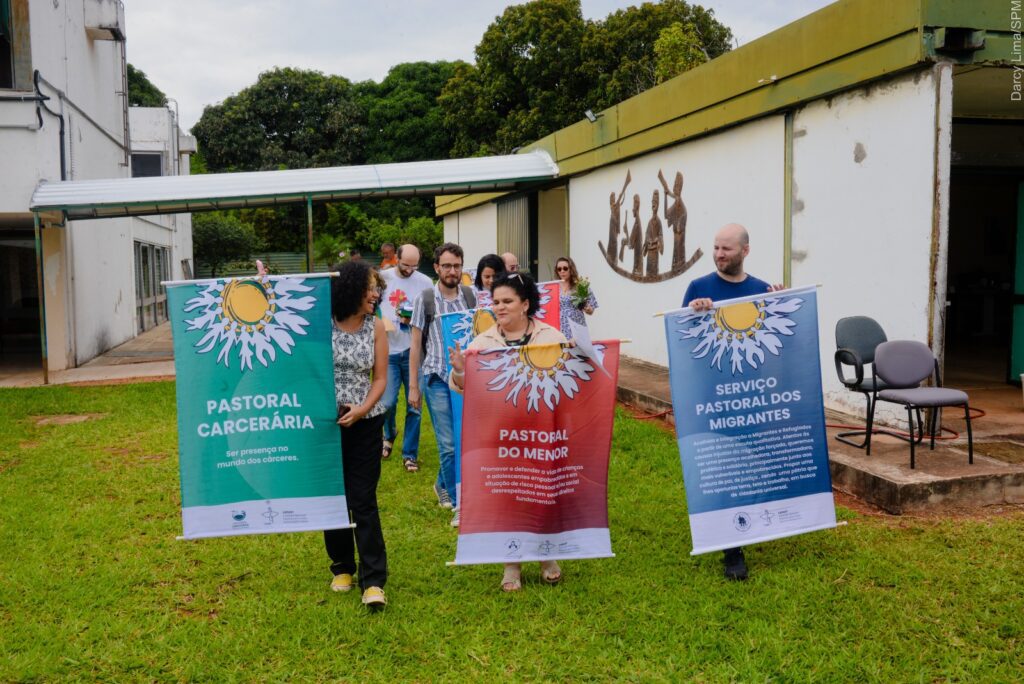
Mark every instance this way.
x=258 y=441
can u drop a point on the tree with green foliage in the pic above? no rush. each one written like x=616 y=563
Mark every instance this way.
x=525 y=84
x=142 y=92
x=219 y=238
x=403 y=120
x=620 y=56
x=540 y=65
x=289 y=119
x=677 y=49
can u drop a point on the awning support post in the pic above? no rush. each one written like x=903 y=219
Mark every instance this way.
x=42 y=295
x=309 y=234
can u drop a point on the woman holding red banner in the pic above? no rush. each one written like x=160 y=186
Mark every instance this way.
x=515 y=301
x=360 y=350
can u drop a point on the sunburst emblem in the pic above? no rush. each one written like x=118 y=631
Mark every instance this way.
x=544 y=372
x=545 y=290
x=255 y=315
x=472 y=323
x=744 y=330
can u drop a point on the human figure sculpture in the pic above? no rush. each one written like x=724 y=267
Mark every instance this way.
x=614 y=221
x=635 y=241
x=654 y=244
x=675 y=217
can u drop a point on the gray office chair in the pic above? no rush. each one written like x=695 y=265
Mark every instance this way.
x=856 y=340
x=903 y=365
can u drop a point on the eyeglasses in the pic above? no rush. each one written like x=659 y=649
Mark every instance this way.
x=513 y=268
x=562 y=268
x=450 y=267
x=408 y=267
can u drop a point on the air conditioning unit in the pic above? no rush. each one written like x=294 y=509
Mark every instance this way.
x=104 y=19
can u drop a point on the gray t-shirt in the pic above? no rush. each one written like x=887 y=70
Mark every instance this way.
x=401 y=293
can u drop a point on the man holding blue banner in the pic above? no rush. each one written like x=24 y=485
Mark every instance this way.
x=728 y=281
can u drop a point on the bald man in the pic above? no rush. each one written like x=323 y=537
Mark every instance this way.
x=729 y=280
x=404 y=285
x=511 y=262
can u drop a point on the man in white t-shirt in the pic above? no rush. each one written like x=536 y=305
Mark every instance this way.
x=404 y=285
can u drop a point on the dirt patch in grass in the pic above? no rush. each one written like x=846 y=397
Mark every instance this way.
x=67 y=419
x=28 y=445
x=8 y=465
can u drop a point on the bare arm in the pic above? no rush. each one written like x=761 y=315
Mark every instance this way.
x=414 y=367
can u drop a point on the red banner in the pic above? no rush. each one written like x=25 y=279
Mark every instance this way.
x=537 y=430
x=550 y=310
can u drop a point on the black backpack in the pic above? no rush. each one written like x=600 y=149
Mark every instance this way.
x=430 y=310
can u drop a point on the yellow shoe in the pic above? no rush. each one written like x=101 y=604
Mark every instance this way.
x=374 y=597
x=342 y=582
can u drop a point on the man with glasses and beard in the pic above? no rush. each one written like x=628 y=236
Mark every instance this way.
x=428 y=374
x=404 y=285
x=729 y=280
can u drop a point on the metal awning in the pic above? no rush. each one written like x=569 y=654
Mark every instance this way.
x=108 y=198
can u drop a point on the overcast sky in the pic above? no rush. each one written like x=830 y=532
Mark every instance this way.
x=202 y=51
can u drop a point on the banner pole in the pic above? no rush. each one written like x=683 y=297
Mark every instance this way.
x=773 y=292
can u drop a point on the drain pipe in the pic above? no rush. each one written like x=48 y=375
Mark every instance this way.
x=41 y=102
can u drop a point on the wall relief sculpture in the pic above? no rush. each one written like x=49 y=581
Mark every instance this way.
x=647 y=245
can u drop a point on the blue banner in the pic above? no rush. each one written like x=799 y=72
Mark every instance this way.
x=746 y=392
x=458 y=330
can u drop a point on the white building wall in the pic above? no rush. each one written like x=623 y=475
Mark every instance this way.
x=864 y=186
x=733 y=176
x=551 y=233
x=88 y=268
x=475 y=230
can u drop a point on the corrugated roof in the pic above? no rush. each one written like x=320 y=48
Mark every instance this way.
x=175 y=194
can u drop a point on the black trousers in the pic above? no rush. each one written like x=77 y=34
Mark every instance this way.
x=361 y=446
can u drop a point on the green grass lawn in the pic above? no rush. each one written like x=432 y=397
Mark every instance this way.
x=95 y=586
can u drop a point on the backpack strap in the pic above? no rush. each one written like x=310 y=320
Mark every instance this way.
x=470 y=296
x=429 y=311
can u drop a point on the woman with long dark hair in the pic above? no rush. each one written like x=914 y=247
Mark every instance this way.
x=490 y=267
x=571 y=306
x=360 y=349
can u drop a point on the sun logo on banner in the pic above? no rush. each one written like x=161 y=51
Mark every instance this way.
x=544 y=289
x=257 y=316
x=744 y=330
x=471 y=324
x=544 y=372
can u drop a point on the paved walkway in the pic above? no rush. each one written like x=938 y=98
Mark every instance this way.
x=148 y=356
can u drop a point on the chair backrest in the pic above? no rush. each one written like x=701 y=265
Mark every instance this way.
x=904 y=363
x=861 y=334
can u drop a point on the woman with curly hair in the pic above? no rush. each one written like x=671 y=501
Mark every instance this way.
x=360 y=349
x=516 y=301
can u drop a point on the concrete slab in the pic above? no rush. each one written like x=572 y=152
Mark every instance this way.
x=942 y=479
x=146 y=357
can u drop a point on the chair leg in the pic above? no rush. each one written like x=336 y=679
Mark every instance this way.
x=910 y=419
x=844 y=437
x=920 y=427
x=970 y=437
x=931 y=425
x=872 y=402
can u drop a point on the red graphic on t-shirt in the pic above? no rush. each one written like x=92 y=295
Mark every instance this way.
x=397 y=298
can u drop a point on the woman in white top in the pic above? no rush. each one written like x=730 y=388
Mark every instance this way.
x=515 y=301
